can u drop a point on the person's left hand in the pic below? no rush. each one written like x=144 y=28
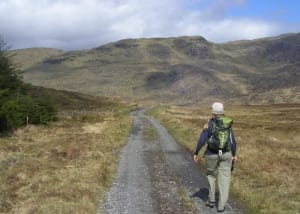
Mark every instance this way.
x=196 y=159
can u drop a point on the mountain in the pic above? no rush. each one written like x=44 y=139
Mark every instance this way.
x=182 y=70
x=26 y=58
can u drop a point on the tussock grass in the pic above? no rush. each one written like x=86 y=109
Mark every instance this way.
x=266 y=176
x=187 y=202
x=64 y=167
x=149 y=132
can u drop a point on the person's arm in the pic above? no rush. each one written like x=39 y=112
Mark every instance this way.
x=205 y=134
x=233 y=145
x=201 y=142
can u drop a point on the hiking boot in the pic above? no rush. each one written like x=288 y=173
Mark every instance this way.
x=210 y=204
x=221 y=211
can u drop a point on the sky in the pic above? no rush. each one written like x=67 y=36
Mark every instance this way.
x=85 y=24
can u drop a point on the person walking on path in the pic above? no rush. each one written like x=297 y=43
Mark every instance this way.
x=220 y=154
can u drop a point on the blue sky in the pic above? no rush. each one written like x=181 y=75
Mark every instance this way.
x=83 y=24
x=280 y=10
x=276 y=10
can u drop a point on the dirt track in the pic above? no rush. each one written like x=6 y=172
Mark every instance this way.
x=157 y=176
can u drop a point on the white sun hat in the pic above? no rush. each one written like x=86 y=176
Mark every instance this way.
x=217 y=108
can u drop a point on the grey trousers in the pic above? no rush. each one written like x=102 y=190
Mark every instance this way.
x=219 y=168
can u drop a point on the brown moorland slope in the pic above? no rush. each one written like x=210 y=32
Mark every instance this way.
x=180 y=70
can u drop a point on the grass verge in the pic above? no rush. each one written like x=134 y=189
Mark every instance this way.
x=64 y=167
x=266 y=174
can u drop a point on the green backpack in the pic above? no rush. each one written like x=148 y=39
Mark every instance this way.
x=220 y=138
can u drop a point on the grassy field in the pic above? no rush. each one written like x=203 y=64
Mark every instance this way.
x=64 y=167
x=266 y=175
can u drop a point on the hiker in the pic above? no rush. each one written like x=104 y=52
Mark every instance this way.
x=220 y=154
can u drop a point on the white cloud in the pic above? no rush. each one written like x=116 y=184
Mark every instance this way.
x=229 y=29
x=74 y=24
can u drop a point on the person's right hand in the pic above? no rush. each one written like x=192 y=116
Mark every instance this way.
x=234 y=158
x=196 y=159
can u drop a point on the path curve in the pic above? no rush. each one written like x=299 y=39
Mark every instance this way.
x=156 y=175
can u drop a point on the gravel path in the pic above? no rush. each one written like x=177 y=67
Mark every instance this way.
x=157 y=176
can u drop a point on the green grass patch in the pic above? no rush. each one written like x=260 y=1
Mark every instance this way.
x=149 y=132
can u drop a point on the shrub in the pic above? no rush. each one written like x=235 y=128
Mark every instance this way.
x=14 y=112
x=16 y=104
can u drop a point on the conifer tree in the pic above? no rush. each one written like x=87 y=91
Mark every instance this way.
x=17 y=107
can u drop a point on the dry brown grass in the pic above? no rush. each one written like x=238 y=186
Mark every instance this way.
x=64 y=167
x=266 y=176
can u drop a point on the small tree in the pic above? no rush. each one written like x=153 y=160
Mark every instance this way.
x=15 y=103
x=14 y=114
x=9 y=76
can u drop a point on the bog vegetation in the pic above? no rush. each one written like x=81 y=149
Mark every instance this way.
x=266 y=176
x=17 y=105
x=65 y=166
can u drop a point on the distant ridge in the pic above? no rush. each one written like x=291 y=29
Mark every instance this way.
x=180 y=70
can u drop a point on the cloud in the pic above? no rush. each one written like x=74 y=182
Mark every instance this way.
x=230 y=29
x=77 y=24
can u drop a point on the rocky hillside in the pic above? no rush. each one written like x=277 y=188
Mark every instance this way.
x=179 y=70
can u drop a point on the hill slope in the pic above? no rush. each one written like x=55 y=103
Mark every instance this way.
x=179 y=70
x=25 y=58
